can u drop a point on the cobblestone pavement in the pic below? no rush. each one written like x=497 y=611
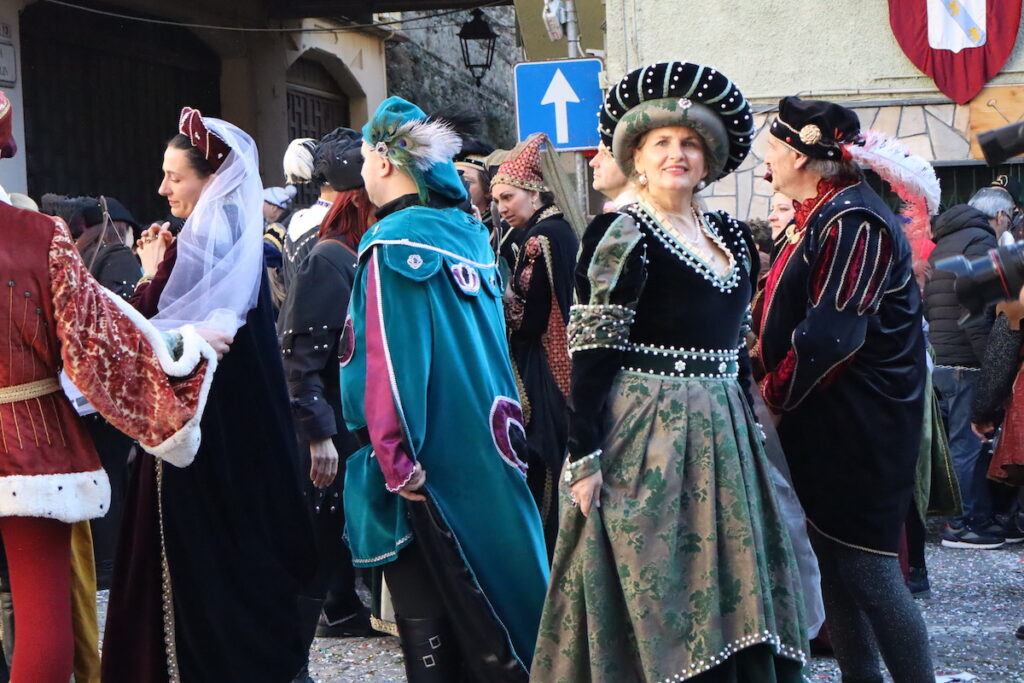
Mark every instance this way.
x=977 y=602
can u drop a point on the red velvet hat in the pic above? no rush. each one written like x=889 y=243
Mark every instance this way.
x=8 y=148
x=212 y=146
x=521 y=167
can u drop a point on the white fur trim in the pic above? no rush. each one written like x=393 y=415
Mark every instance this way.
x=180 y=448
x=71 y=497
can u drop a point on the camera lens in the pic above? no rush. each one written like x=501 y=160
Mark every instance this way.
x=994 y=277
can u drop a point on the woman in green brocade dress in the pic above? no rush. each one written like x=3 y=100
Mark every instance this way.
x=673 y=561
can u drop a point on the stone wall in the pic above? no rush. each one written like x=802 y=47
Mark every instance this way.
x=424 y=65
x=937 y=132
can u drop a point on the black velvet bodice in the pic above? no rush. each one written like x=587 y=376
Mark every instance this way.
x=677 y=302
x=683 y=303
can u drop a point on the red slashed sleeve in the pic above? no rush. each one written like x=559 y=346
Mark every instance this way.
x=851 y=261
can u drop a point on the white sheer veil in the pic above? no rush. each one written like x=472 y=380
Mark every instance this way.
x=216 y=277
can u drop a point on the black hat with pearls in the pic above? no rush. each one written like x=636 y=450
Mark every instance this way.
x=678 y=94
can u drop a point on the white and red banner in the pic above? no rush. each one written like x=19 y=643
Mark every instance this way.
x=960 y=44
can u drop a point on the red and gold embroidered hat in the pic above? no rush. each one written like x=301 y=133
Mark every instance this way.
x=213 y=147
x=521 y=168
x=8 y=147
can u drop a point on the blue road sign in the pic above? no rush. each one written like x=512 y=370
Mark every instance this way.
x=561 y=98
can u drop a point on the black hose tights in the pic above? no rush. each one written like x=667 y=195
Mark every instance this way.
x=869 y=609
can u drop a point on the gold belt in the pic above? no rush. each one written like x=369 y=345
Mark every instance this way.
x=23 y=392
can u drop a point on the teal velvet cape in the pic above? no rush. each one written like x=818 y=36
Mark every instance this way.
x=436 y=299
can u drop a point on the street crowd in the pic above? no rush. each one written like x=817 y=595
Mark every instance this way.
x=656 y=444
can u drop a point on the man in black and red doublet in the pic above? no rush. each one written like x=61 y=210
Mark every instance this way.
x=841 y=339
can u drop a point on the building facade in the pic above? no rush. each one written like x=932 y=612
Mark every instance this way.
x=845 y=52
x=96 y=96
x=425 y=66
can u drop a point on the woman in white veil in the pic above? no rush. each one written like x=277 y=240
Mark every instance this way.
x=216 y=275
x=210 y=550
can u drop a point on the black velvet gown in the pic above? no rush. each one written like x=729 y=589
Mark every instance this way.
x=237 y=543
x=542 y=283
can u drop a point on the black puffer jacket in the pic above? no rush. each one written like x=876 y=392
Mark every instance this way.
x=961 y=230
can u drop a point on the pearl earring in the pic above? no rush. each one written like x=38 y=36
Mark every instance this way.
x=642 y=179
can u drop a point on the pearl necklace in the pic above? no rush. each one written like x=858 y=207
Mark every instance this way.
x=650 y=217
x=698 y=245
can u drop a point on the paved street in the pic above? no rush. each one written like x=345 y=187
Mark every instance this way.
x=977 y=602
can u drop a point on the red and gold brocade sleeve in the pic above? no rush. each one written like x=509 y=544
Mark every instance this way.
x=121 y=363
x=852 y=260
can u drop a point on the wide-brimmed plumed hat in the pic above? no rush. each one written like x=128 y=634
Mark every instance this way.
x=678 y=94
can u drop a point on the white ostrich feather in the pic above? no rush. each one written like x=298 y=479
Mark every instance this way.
x=298 y=160
x=888 y=158
x=427 y=142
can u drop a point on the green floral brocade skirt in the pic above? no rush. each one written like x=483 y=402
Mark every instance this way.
x=687 y=561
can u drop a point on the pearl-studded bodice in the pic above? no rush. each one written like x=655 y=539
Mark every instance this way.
x=684 y=304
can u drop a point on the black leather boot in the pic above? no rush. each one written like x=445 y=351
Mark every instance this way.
x=431 y=654
x=7 y=631
x=309 y=614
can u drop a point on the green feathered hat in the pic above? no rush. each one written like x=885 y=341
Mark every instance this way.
x=402 y=133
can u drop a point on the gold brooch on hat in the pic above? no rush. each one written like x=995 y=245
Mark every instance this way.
x=810 y=134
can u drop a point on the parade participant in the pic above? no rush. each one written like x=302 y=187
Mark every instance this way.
x=536 y=312
x=471 y=163
x=50 y=475
x=781 y=214
x=438 y=493
x=841 y=338
x=299 y=162
x=610 y=181
x=105 y=247
x=311 y=321
x=673 y=561
x=277 y=202
x=213 y=556
x=106 y=243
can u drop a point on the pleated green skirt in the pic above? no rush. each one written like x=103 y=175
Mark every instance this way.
x=686 y=570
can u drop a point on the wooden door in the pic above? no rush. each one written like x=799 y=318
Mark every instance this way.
x=102 y=98
x=316 y=106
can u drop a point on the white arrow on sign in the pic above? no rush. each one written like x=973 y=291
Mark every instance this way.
x=560 y=93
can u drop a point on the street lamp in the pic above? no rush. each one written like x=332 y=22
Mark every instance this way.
x=477 y=32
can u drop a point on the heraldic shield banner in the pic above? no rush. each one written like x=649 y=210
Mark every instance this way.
x=959 y=44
